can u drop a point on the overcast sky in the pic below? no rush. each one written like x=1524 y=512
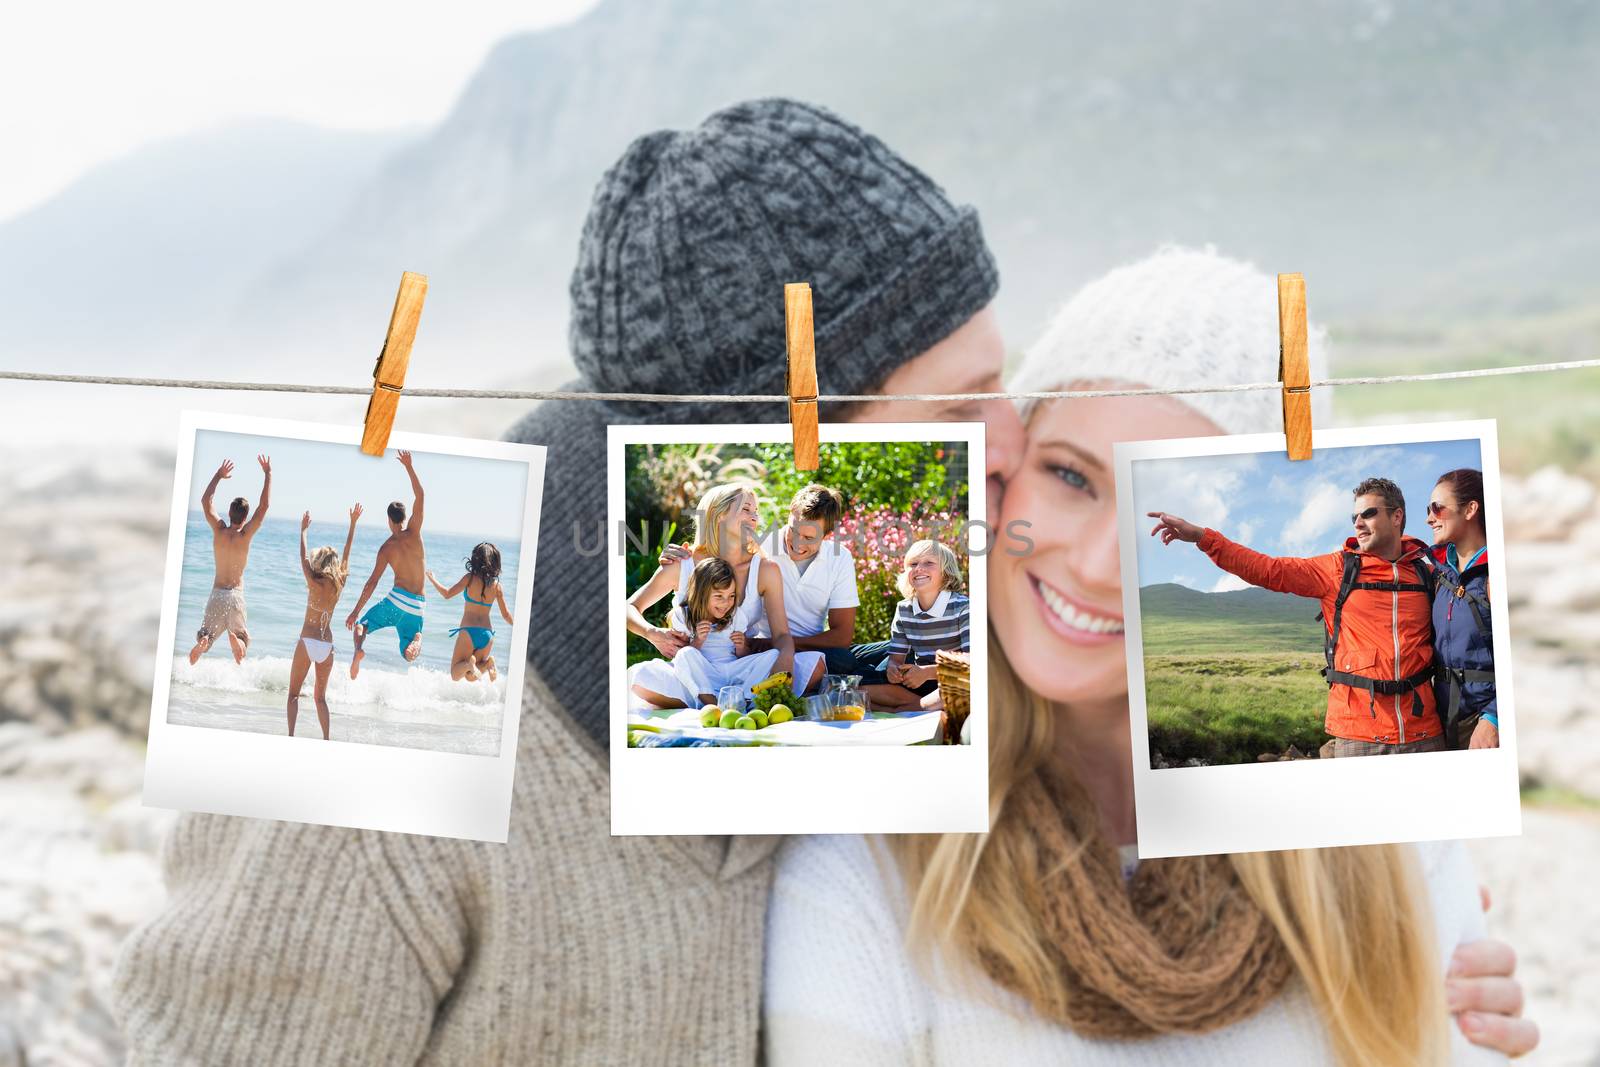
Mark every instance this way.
x=1277 y=506
x=85 y=82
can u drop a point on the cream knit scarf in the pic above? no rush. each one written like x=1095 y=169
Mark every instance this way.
x=1179 y=949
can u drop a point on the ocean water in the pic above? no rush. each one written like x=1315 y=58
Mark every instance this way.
x=392 y=702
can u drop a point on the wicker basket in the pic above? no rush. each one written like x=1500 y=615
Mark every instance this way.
x=954 y=673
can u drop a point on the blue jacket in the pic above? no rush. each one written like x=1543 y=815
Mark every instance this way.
x=1457 y=640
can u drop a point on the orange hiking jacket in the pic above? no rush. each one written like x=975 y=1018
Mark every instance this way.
x=1385 y=634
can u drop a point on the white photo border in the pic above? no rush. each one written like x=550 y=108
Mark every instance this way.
x=377 y=787
x=833 y=789
x=1265 y=807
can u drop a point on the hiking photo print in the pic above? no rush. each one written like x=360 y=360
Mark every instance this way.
x=1288 y=622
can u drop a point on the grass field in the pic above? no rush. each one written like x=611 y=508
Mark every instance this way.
x=1230 y=707
x=1229 y=676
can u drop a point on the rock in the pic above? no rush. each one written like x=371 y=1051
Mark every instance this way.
x=1267 y=757
x=1545 y=505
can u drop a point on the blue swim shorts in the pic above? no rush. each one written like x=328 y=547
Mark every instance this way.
x=401 y=609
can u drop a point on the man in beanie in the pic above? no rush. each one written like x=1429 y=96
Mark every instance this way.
x=289 y=943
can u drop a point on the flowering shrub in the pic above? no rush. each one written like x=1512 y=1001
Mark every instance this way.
x=878 y=537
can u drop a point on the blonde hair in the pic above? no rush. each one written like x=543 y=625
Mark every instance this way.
x=1352 y=919
x=712 y=513
x=949 y=566
x=1355 y=921
x=325 y=563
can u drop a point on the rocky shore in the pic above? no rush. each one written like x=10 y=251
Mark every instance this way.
x=82 y=547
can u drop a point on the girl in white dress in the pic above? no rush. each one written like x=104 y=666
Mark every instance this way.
x=726 y=522
x=709 y=617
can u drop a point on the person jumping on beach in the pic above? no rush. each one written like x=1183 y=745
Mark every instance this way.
x=230 y=547
x=475 y=637
x=325 y=571
x=402 y=608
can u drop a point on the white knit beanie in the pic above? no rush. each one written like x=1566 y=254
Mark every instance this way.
x=1181 y=318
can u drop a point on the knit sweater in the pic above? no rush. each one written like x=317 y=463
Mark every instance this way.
x=285 y=943
x=841 y=988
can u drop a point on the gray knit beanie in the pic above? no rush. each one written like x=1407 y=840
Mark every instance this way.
x=1179 y=318
x=678 y=288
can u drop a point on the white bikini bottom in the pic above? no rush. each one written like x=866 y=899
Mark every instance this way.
x=317 y=650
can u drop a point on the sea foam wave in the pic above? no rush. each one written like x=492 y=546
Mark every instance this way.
x=417 y=689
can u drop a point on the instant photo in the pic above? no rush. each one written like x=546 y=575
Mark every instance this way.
x=343 y=635
x=1312 y=644
x=797 y=651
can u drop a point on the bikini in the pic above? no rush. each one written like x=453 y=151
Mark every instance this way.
x=317 y=648
x=481 y=635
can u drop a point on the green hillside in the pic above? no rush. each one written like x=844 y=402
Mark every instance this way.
x=1230 y=676
x=1175 y=619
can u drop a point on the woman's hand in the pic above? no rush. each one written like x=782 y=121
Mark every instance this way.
x=672 y=554
x=667 y=642
x=741 y=646
x=305 y=522
x=350 y=621
x=1485 y=735
x=1486 y=999
x=355 y=513
x=1171 y=528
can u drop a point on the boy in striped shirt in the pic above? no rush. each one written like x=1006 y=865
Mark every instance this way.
x=935 y=614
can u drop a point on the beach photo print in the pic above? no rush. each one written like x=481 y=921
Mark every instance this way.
x=797 y=651
x=1311 y=644
x=343 y=636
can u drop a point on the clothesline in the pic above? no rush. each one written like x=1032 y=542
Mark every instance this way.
x=724 y=398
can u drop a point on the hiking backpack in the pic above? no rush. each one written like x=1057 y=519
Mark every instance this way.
x=1349 y=583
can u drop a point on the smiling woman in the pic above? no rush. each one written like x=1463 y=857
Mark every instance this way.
x=1304 y=956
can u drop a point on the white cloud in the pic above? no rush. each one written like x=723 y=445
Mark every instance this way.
x=1201 y=490
x=1228 y=583
x=1326 y=504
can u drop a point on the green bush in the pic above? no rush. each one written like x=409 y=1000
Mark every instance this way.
x=895 y=493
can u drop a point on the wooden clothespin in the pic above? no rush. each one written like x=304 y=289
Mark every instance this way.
x=1294 y=369
x=802 y=376
x=389 y=374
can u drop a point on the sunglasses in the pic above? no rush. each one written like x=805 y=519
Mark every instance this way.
x=1435 y=508
x=1368 y=514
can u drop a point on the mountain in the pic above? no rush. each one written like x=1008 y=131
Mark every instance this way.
x=1177 y=620
x=143 y=260
x=1419 y=161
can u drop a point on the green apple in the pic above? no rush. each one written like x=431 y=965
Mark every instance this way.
x=710 y=715
x=745 y=722
x=761 y=719
x=779 y=713
x=730 y=719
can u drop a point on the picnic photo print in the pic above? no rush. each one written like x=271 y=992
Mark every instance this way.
x=1311 y=615
x=764 y=607
x=328 y=596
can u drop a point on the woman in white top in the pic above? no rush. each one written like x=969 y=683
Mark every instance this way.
x=726 y=522
x=1046 y=940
